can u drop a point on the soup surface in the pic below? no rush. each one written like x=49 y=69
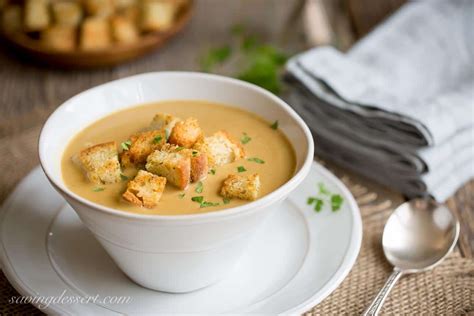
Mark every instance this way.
x=275 y=156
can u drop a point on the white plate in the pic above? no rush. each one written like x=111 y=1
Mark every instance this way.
x=296 y=260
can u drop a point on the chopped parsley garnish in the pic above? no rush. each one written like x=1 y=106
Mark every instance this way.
x=212 y=171
x=198 y=199
x=257 y=160
x=157 y=139
x=274 y=125
x=207 y=204
x=126 y=145
x=245 y=139
x=226 y=200
x=325 y=196
x=199 y=187
x=336 y=202
x=123 y=177
x=179 y=148
x=195 y=153
x=181 y=196
x=241 y=169
x=98 y=189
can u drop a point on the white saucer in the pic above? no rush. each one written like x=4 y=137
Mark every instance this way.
x=296 y=260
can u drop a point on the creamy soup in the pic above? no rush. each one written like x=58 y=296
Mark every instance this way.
x=268 y=153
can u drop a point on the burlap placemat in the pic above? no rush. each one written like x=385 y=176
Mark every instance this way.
x=447 y=290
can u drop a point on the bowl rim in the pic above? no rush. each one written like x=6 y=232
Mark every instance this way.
x=260 y=203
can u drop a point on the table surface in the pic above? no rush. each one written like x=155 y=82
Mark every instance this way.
x=29 y=93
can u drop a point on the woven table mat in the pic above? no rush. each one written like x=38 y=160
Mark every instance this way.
x=447 y=290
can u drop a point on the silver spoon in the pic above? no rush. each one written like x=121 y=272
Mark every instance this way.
x=418 y=236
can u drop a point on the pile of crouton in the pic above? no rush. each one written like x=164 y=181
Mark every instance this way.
x=170 y=151
x=87 y=25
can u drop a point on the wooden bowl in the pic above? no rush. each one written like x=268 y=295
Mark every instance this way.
x=116 y=54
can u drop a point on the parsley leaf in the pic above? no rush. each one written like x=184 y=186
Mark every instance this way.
x=226 y=200
x=123 y=177
x=212 y=171
x=336 y=202
x=214 y=57
x=126 y=145
x=241 y=169
x=207 y=204
x=257 y=160
x=198 y=199
x=245 y=139
x=179 y=148
x=319 y=205
x=274 y=125
x=195 y=153
x=199 y=187
x=157 y=139
x=181 y=196
x=98 y=189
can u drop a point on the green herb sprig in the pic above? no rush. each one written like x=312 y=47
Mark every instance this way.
x=325 y=196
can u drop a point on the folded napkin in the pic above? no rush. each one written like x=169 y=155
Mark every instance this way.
x=399 y=106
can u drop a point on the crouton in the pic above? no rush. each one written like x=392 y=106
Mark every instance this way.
x=125 y=160
x=60 y=38
x=199 y=165
x=164 y=121
x=123 y=30
x=220 y=148
x=241 y=187
x=67 y=13
x=143 y=144
x=176 y=168
x=101 y=164
x=145 y=189
x=131 y=14
x=186 y=133
x=101 y=8
x=11 y=19
x=95 y=34
x=36 y=15
x=158 y=15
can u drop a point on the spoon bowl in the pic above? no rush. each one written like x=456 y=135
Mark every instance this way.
x=417 y=236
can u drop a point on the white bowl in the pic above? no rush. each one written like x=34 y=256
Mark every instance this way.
x=172 y=253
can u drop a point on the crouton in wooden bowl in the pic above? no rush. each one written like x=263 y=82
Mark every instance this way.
x=90 y=33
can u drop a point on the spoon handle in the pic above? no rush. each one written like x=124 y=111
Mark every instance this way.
x=377 y=303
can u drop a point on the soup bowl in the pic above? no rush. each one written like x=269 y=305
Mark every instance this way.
x=178 y=253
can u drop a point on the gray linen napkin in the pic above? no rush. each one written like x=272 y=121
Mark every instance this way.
x=399 y=106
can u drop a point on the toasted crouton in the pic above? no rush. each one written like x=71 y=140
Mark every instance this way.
x=95 y=34
x=158 y=15
x=143 y=144
x=101 y=163
x=176 y=168
x=123 y=30
x=220 y=148
x=11 y=19
x=60 y=38
x=36 y=15
x=199 y=165
x=241 y=187
x=67 y=13
x=145 y=189
x=186 y=133
x=164 y=121
x=102 y=8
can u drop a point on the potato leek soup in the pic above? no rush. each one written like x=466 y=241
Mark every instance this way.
x=178 y=157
